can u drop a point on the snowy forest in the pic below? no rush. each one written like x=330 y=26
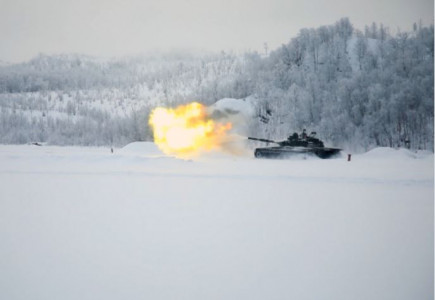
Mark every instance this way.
x=358 y=89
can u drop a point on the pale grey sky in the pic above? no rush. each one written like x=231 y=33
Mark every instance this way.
x=122 y=27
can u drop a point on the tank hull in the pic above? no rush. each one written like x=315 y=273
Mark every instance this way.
x=288 y=152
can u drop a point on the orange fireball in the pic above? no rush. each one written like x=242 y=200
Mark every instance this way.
x=186 y=130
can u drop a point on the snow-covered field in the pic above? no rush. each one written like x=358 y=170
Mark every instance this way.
x=82 y=223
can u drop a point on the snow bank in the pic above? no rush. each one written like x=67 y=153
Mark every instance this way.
x=140 y=148
x=394 y=154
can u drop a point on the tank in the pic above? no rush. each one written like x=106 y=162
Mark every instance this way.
x=294 y=145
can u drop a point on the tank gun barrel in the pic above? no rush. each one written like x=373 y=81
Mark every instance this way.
x=261 y=140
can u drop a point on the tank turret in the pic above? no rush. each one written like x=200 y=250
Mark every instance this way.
x=295 y=144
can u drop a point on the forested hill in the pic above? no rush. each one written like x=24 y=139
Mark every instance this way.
x=357 y=89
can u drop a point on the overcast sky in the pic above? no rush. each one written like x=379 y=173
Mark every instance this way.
x=121 y=27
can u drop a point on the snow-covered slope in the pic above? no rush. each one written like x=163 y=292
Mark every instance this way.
x=82 y=223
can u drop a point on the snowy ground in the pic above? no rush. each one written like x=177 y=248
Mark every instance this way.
x=82 y=223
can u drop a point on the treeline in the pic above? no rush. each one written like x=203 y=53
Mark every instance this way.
x=357 y=89
x=171 y=72
x=94 y=129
